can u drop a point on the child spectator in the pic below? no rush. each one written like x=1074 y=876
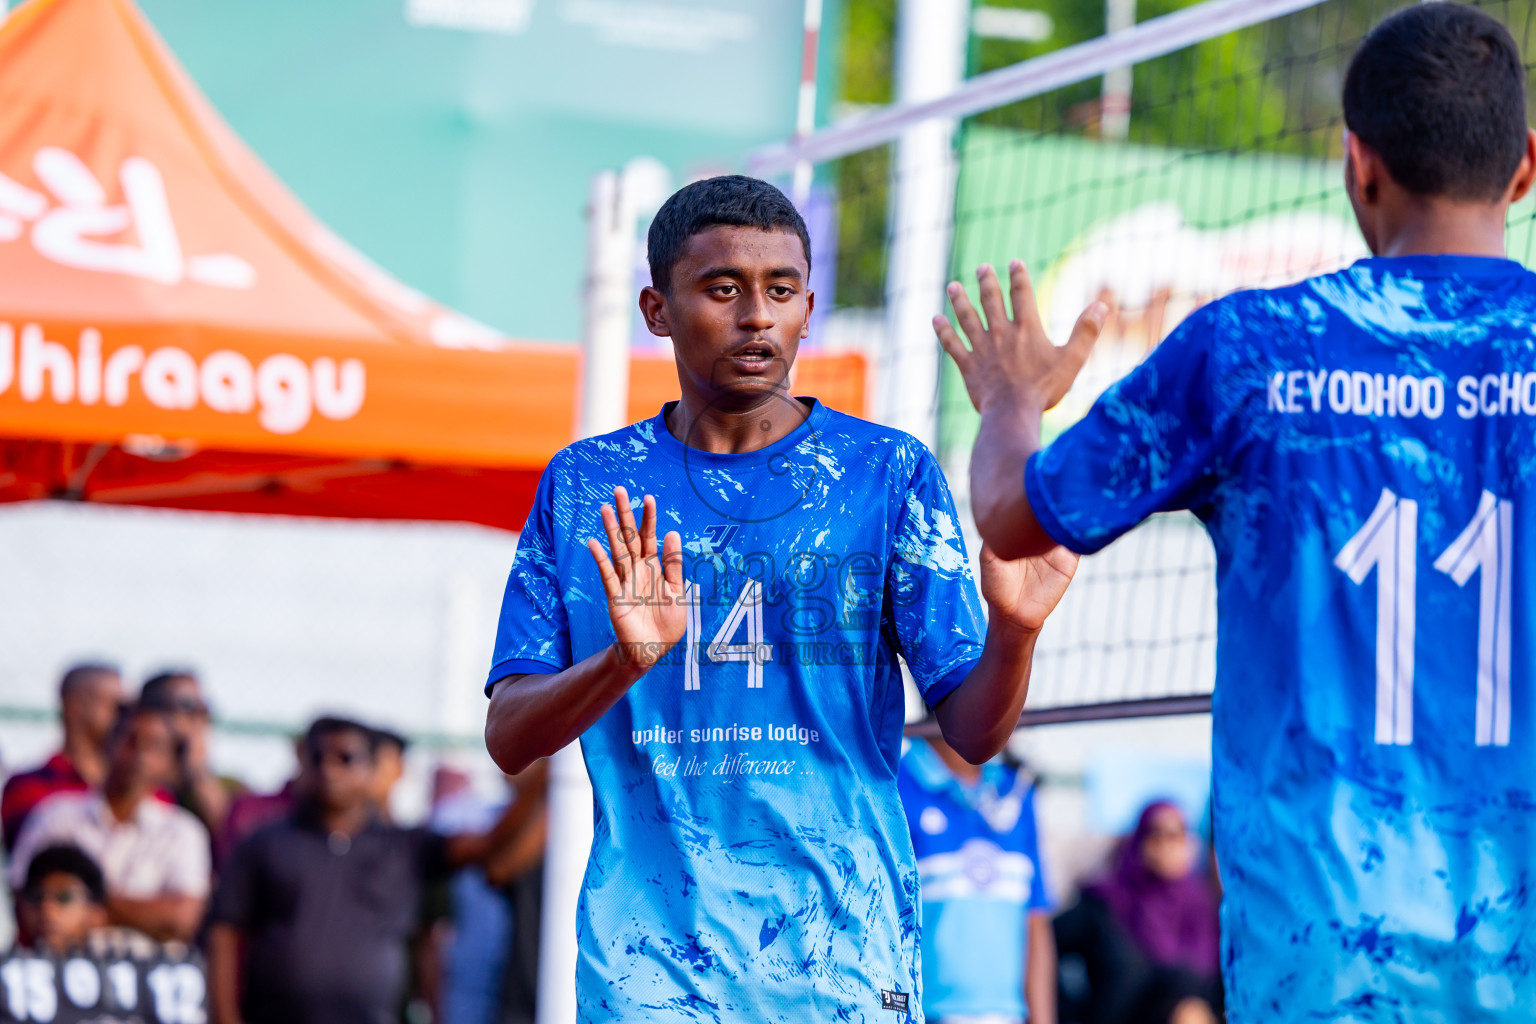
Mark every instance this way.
x=987 y=949
x=64 y=900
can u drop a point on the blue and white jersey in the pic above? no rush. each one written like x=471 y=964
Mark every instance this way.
x=1362 y=450
x=751 y=861
x=978 y=858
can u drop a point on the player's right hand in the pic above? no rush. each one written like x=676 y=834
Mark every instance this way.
x=1010 y=359
x=644 y=587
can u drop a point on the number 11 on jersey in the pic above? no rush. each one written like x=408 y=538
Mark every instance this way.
x=1388 y=543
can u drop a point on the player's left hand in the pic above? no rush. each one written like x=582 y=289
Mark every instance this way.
x=1024 y=592
x=1010 y=362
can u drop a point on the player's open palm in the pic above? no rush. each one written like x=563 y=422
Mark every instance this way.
x=1025 y=591
x=1010 y=359
x=644 y=585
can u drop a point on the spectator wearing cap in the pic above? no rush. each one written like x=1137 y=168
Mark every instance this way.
x=315 y=912
x=179 y=694
x=64 y=900
x=153 y=854
x=89 y=697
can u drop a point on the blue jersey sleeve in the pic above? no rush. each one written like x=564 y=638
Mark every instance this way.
x=533 y=634
x=1146 y=446
x=934 y=609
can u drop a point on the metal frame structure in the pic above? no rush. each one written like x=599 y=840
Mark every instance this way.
x=1108 y=711
x=1155 y=37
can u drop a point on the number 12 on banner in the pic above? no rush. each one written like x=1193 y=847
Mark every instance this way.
x=1388 y=543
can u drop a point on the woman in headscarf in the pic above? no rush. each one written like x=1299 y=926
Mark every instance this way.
x=1147 y=931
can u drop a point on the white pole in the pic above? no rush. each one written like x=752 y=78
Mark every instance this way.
x=805 y=107
x=611 y=240
x=930 y=63
x=1115 y=114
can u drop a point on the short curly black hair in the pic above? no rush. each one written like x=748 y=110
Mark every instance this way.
x=66 y=859
x=732 y=199
x=1438 y=91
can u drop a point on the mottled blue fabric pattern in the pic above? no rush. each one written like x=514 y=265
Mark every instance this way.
x=1360 y=449
x=751 y=859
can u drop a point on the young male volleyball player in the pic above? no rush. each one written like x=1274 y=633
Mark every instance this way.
x=1362 y=449
x=737 y=690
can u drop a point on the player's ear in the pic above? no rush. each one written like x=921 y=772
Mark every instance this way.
x=1362 y=170
x=810 y=307
x=1525 y=174
x=653 y=306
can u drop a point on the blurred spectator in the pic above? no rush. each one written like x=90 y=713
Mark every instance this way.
x=153 y=855
x=315 y=912
x=1148 y=933
x=987 y=949
x=195 y=786
x=521 y=877
x=485 y=980
x=389 y=768
x=89 y=697
x=63 y=902
x=250 y=811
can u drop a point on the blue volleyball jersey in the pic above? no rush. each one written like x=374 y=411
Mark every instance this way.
x=1360 y=449
x=751 y=861
x=978 y=859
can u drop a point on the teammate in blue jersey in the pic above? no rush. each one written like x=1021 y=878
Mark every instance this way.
x=737 y=689
x=988 y=950
x=1362 y=450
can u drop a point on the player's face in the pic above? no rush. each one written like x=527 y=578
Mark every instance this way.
x=738 y=306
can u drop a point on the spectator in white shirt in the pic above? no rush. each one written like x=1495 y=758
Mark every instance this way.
x=153 y=854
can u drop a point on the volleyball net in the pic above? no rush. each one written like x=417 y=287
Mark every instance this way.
x=1156 y=168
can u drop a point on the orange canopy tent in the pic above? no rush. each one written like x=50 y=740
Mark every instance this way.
x=177 y=330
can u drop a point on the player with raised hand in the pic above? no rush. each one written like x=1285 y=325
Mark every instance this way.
x=737 y=689
x=1360 y=447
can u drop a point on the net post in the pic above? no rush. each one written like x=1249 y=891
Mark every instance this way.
x=1115 y=115
x=930 y=63
x=612 y=227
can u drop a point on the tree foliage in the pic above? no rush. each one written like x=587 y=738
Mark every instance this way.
x=1273 y=87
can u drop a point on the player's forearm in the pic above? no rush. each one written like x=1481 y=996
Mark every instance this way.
x=982 y=712
x=1009 y=435
x=532 y=716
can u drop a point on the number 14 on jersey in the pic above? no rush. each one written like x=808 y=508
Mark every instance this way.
x=1388 y=543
